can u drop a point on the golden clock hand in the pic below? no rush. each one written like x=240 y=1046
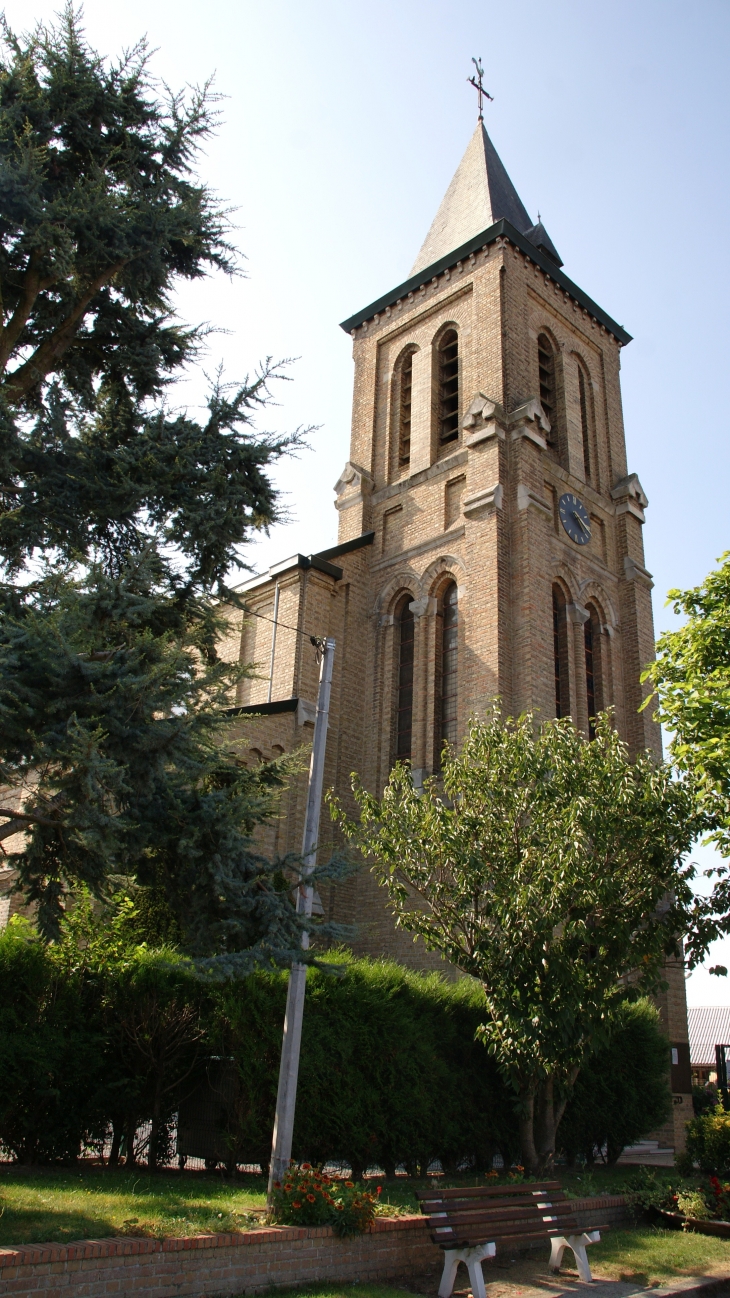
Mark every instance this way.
x=580 y=522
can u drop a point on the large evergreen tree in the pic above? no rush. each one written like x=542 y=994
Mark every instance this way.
x=119 y=518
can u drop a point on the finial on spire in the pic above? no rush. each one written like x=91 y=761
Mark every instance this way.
x=476 y=82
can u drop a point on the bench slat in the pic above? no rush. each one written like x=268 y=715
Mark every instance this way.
x=489 y=1191
x=464 y=1217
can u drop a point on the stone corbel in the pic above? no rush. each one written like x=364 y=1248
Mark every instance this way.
x=481 y=502
x=306 y=713
x=630 y=497
x=529 y=420
x=353 y=486
x=483 y=420
x=419 y=607
x=577 y=614
x=527 y=498
x=633 y=571
x=387 y=619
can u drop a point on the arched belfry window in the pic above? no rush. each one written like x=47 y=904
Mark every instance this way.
x=447 y=682
x=560 y=654
x=405 y=395
x=585 y=422
x=592 y=644
x=448 y=386
x=404 y=699
x=548 y=386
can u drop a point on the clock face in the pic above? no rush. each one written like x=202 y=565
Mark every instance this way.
x=575 y=518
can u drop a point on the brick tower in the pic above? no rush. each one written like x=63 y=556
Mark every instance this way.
x=490 y=533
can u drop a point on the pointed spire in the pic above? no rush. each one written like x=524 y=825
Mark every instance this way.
x=480 y=193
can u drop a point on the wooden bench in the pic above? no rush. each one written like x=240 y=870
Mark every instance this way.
x=469 y=1225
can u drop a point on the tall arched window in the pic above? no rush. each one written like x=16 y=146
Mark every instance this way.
x=448 y=670
x=405 y=392
x=548 y=387
x=592 y=643
x=560 y=654
x=585 y=422
x=448 y=389
x=404 y=704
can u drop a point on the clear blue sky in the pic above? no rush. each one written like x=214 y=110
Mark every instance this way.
x=342 y=126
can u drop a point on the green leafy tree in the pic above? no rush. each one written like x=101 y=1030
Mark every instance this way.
x=691 y=681
x=120 y=517
x=548 y=868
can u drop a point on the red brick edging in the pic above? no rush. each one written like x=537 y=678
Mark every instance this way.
x=200 y=1266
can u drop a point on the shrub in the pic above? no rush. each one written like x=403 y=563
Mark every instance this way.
x=51 y=1048
x=307 y=1197
x=390 y=1071
x=708 y=1141
x=622 y=1092
x=693 y=1203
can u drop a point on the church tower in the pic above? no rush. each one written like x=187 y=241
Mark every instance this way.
x=490 y=532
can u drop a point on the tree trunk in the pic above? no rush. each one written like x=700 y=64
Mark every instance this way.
x=527 y=1135
x=117 y=1128
x=540 y=1122
x=130 y=1133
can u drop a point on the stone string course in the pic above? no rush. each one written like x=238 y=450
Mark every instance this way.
x=214 y=1266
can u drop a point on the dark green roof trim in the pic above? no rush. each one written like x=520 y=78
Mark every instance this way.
x=335 y=551
x=265 y=709
x=503 y=229
x=300 y=561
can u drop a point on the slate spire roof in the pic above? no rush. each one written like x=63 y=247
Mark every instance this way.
x=480 y=194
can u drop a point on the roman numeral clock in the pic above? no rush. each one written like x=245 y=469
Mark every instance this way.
x=575 y=518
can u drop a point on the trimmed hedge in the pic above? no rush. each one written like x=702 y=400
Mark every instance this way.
x=390 y=1070
x=622 y=1091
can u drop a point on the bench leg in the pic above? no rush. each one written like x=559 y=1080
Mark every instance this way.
x=451 y=1265
x=578 y=1245
x=472 y=1259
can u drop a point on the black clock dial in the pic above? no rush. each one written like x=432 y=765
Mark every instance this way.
x=575 y=518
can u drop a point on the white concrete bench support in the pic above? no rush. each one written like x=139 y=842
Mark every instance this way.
x=472 y=1259
x=578 y=1244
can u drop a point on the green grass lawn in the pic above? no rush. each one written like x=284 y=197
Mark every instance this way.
x=60 y=1204
x=650 y=1255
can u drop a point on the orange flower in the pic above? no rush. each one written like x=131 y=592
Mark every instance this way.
x=311 y=1198
x=296 y=1204
x=277 y=1185
x=306 y=1167
x=350 y=1184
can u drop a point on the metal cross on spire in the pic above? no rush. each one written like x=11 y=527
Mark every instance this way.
x=476 y=82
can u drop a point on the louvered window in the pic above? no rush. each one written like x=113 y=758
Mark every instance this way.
x=592 y=643
x=448 y=357
x=447 y=699
x=404 y=422
x=560 y=655
x=546 y=366
x=404 y=717
x=584 y=423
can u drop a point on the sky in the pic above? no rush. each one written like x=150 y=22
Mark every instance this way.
x=341 y=126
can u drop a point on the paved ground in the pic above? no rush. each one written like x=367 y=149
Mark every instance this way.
x=525 y=1279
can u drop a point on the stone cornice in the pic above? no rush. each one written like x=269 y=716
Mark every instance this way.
x=467 y=253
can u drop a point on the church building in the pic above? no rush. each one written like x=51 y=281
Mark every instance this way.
x=490 y=537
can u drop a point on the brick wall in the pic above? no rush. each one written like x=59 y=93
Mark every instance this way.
x=205 y=1266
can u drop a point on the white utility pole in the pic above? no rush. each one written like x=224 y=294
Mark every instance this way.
x=286 y=1097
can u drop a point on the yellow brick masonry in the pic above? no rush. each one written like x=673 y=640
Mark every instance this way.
x=232 y=1264
x=480 y=511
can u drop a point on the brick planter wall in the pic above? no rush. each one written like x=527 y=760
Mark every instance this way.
x=221 y=1266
